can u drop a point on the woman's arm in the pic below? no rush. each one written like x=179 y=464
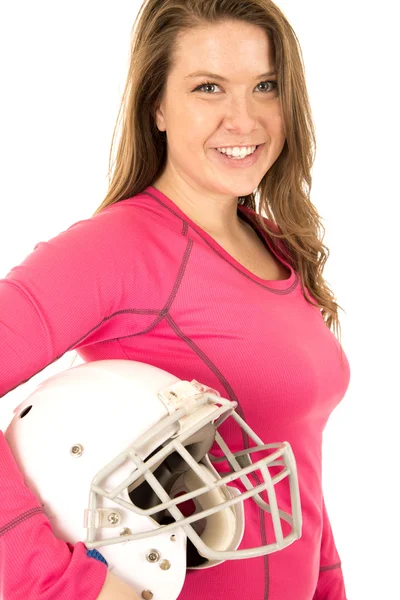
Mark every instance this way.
x=58 y=296
x=34 y=563
x=116 y=589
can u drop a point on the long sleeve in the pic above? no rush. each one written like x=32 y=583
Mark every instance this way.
x=330 y=582
x=57 y=299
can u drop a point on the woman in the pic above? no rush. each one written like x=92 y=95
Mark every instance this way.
x=178 y=268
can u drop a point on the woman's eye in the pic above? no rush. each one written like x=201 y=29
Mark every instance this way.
x=274 y=85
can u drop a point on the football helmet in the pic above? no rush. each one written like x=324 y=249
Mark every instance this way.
x=114 y=449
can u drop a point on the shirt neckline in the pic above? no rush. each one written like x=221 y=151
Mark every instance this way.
x=286 y=285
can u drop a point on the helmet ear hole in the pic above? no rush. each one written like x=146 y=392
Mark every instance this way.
x=25 y=412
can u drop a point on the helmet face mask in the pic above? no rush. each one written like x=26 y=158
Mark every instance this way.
x=125 y=464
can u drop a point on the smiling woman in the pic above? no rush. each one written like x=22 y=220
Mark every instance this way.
x=162 y=32
x=244 y=114
x=205 y=259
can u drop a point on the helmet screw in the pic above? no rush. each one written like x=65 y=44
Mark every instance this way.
x=153 y=556
x=165 y=565
x=76 y=450
x=113 y=518
x=125 y=531
x=147 y=594
x=173 y=538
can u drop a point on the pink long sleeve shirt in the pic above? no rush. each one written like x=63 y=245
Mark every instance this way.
x=141 y=281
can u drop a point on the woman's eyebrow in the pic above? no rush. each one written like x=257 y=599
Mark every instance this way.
x=221 y=78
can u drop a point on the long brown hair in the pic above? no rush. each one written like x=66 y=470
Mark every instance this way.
x=283 y=195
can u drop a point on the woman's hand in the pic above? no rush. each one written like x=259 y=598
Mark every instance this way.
x=116 y=589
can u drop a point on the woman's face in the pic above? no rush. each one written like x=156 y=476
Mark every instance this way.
x=244 y=110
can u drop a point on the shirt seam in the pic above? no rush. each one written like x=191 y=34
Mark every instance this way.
x=330 y=567
x=21 y=519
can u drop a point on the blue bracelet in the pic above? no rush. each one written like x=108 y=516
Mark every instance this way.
x=96 y=554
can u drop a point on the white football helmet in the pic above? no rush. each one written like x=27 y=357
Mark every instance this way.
x=112 y=448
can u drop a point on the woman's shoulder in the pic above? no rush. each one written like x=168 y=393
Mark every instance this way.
x=112 y=226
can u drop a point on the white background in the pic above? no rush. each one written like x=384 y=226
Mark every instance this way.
x=63 y=68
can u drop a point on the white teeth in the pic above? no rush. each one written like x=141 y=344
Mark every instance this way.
x=237 y=152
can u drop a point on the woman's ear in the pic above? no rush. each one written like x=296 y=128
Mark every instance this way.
x=159 y=118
